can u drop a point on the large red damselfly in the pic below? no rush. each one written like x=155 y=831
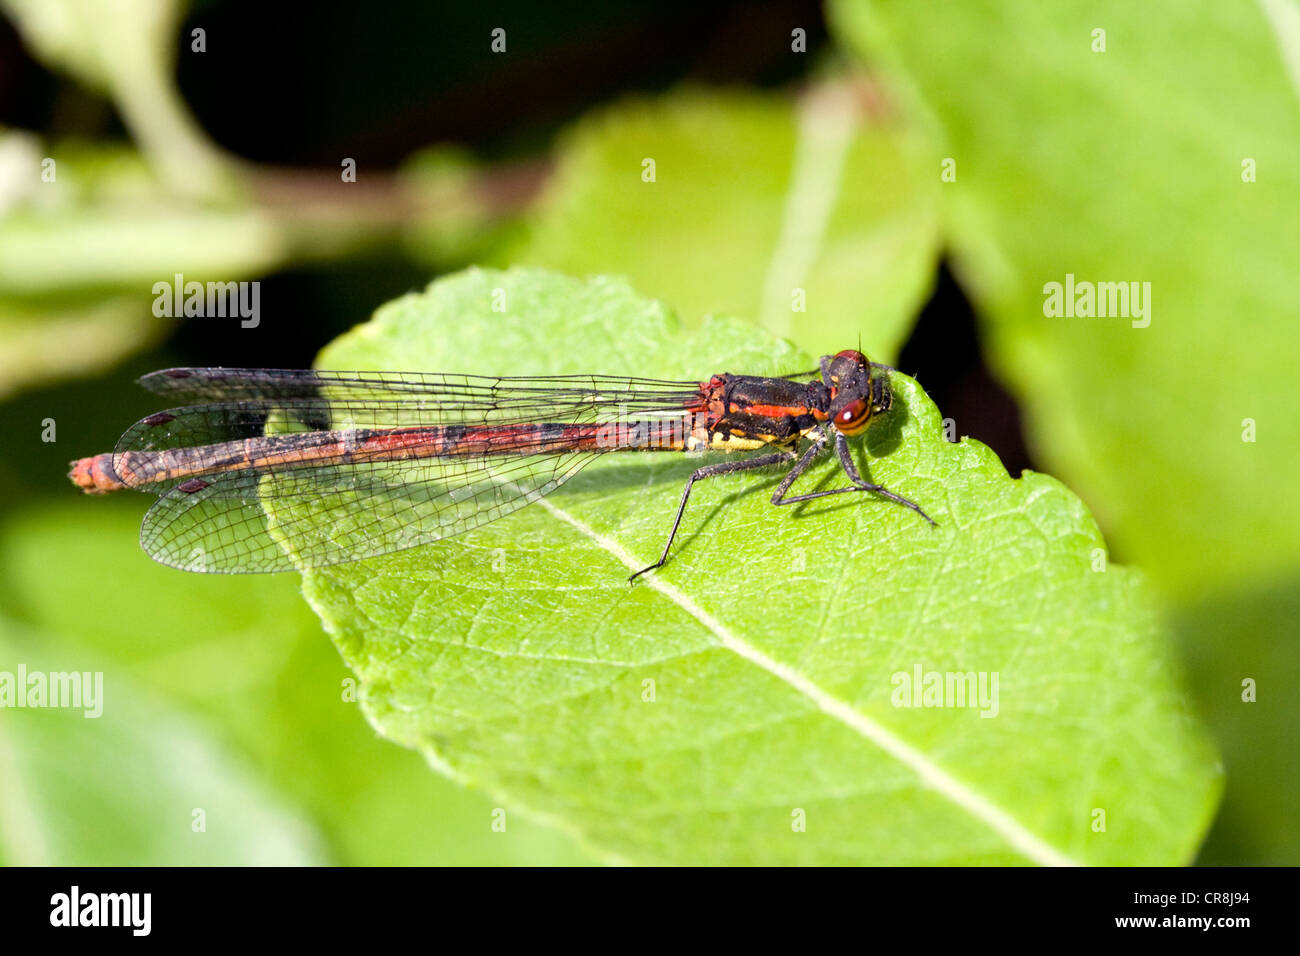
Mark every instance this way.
x=364 y=463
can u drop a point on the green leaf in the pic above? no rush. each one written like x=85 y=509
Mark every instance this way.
x=82 y=243
x=456 y=220
x=106 y=221
x=127 y=50
x=1130 y=165
x=753 y=197
x=125 y=779
x=241 y=666
x=1126 y=165
x=38 y=346
x=518 y=659
x=1243 y=668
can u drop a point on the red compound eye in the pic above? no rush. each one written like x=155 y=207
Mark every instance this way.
x=853 y=355
x=853 y=417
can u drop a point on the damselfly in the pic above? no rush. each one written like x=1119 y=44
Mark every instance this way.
x=272 y=469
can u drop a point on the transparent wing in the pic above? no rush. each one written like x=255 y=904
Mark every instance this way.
x=475 y=394
x=248 y=404
x=249 y=521
x=274 y=481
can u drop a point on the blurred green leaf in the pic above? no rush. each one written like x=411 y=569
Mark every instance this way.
x=127 y=50
x=455 y=223
x=116 y=248
x=38 y=344
x=105 y=222
x=693 y=716
x=245 y=659
x=1229 y=641
x=85 y=232
x=130 y=783
x=753 y=197
x=1126 y=165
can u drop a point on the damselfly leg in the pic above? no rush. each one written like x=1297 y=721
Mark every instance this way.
x=850 y=469
x=712 y=471
x=802 y=463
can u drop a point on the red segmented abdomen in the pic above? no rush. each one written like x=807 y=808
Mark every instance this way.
x=134 y=469
x=95 y=475
x=448 y=441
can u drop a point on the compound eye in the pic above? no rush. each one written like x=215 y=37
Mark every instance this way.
x=853 y=417
x=854 y=356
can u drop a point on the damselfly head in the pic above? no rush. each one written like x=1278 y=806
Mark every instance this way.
x=846 y=367
x=853 y=391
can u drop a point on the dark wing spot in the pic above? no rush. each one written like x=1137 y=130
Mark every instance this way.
x=160 y=418
x=191 y=486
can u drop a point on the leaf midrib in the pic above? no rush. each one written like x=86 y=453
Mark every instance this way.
x=931 y=774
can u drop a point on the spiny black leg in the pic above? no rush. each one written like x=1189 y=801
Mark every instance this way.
x=846 y=462
x=712 y=471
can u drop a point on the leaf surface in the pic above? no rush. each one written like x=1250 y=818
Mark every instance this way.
x=753 y=687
